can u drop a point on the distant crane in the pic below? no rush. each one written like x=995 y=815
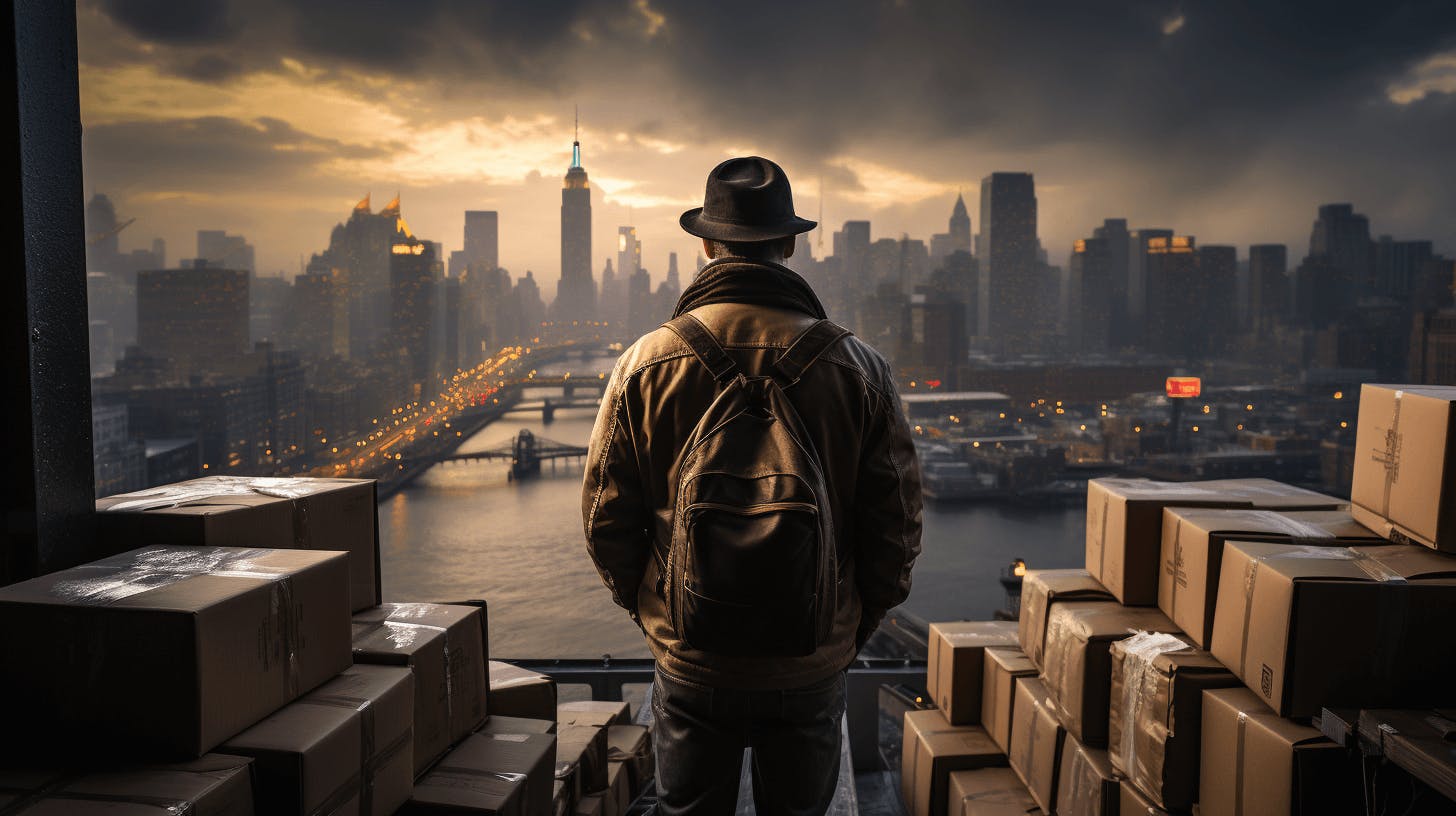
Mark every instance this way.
x=102 y=236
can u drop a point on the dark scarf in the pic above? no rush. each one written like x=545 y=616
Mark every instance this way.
x=758 y=283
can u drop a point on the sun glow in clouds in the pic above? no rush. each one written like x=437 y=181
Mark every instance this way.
x=1434 y=75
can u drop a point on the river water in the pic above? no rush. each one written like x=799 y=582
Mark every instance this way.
x=462 y=531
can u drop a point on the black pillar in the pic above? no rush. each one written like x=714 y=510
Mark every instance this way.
x=46 y=447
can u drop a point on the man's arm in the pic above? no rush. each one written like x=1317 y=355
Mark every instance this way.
x=887 y=510
x=614 y=516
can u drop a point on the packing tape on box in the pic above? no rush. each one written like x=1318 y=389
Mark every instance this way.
x=490 y=783
x=154 y=569
x=403 y=633
x=1389 y=458
x=371 y=756
x=1242 y=729
x=1139 y=652
x=1083 y=791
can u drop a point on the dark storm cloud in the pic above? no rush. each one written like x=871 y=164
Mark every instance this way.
x=166 y=21
x=209 y=153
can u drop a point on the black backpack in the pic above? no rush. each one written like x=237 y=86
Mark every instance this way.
x=751 y=568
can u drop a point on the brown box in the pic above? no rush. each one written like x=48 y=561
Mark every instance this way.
x=1323 y=627
x=214 y=785
x=631 y=745
x=581 y=754
x=1133 y=802
x=488 y=774
x=619 y=790
x=594 y=805
x=1086 y=783
x=1156 y=715
x=1255 y=763
x=594 y=712
x=998 y=691
x=1405 y=464
x=953 y=666
x=517 y=692
x=345 y=747
x=1040 y=590
x=560 y=798
x=442 y=643
x=1125 y=523
x=1078 y=672
x=496 y=724
x=932 y=749
x=988 y=792
x=167 y=651
x=300 y=513
x=1036 y=742
x=1193 y=540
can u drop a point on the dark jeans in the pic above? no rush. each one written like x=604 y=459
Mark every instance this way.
x=699 y=734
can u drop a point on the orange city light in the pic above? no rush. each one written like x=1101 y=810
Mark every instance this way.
x=1184 y=387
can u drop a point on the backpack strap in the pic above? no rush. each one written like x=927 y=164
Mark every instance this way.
x=807 y=348
x=705 y=346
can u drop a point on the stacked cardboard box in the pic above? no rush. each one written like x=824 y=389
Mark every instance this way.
x=212 y=784
x=517 y=692
x=602 y=760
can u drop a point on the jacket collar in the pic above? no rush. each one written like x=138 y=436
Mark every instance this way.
x=753 y=282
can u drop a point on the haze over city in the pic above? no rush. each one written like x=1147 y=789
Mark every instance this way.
x=1230 y=122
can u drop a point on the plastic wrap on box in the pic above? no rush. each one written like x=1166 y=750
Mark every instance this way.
x=302 y=513
x=497 y=774
x=1158 y=681
x=241 y=632
x=517 y=692
x=443 y=644
x=1040 y=589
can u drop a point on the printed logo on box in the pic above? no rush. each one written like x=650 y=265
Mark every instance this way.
x=1266 y=681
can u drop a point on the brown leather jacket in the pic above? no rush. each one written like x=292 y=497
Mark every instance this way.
x=847 y=400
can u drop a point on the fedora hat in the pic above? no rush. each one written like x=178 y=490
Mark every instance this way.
x=748 y=199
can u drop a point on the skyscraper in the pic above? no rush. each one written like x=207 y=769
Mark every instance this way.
x=1009 y=282
x=360 y=250
x=1340 y=240
x=1139 y=242
x=1090 y=296
x=217 y=248
x=197 y=318
x=1269 y=287
x=575 y=292
x=482 y=238
x=957 y=238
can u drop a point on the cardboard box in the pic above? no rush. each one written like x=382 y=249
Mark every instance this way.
x=1313 y=627
x=1133 y=802
x=1405 y=464
x=1193 y=540
x=583 y=747
x=953 y=666
x=594 y=805
x=496 y=724
x=933 y=749
x=998 y=691
x=442 y=644
x=1036 y=742
x=166 y=651
x=619 y=791
x=600 y=713
x=988 y=792
x=560 y=799
x=1040 y=590
x=347 y=745
x=1254 y=763
x=494 y=774
x=631 y=745
x=1125 y=523
x=1155 y=720
x=1086 y=783
x=214 y=785
x=517 y=692
x=299 y=513
x=1078 y=672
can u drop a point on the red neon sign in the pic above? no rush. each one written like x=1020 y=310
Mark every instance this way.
x=1184 y=387
x=933 y=383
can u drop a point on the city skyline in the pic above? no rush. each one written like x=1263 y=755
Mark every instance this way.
x=194 y=122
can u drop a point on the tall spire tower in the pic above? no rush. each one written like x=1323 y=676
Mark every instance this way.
x=575 y=292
